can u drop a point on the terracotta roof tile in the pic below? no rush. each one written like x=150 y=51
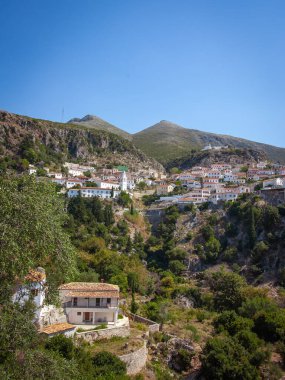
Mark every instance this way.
x=57 y=327
x=89 y=286
x=35 y=276
x=99 y=294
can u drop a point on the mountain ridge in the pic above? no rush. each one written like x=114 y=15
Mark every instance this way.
x=167 y=141
x=98 y=123
x=37 y=140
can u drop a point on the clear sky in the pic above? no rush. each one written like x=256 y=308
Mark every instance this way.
x=212 y=65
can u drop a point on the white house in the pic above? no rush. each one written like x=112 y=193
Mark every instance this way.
x=90 y=303
x=274 y=183
x=32 y=169
x=32 y=288
x=73 y=182
x=88 y=192
x=261 y=164
x=56 y=175
x=105 y=184
x=225 y=196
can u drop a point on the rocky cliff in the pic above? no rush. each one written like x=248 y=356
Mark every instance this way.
x=50 y=142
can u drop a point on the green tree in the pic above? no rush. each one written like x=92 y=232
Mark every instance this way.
x=124 y=199
x=31 y=224
x=228 y=290
x=251 y=229
x=224 y=358
x=108 y=215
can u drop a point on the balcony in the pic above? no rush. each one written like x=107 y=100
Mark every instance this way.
x=70 y=304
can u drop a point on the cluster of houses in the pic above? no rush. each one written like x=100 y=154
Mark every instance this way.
x=221 y=182
x=105 y=183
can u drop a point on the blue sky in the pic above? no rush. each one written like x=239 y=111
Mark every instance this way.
x=212 y=65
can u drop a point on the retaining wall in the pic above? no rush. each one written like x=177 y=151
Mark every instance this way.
x=152 y=326
x=91 y=336
x=136 y=360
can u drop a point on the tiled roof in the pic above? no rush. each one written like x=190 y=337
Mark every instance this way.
x=57 y=327
x=35 y=276
x=89 y=286
x=90 y=294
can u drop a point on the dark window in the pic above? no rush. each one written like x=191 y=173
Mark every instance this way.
x=108 y=301
x=79 y=313
x=75 y=301
x=97 y=301
x=34 y=292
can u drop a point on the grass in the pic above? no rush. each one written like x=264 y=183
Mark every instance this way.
x=116 y=345
x=100 y=327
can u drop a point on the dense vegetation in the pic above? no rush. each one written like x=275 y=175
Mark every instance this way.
x=238 y=326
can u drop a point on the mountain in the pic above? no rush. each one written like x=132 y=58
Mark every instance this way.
x=234 y=156
x=95 y=122
x=166 y=141
x=46 y=142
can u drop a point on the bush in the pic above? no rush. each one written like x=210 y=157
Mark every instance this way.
x=181 y=360
x=62 y=345
x=223 y=359
x=228 y=290
x=232 y=323
x=106 y=364
x=270 y=325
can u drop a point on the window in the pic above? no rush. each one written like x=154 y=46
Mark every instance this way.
x=108 y=301
x=79 y=313
x=97 y=302
x=75 y=299
x=34 y=292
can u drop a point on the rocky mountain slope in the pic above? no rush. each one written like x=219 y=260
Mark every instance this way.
x=49 y=142
x=96 y=122
x=166 y=141
x=235 y=156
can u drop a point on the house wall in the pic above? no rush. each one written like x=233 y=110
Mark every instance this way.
x=98 y=316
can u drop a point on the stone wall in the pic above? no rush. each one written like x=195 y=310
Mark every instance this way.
x=152 y=326
x=136 y=360
x=91 y=336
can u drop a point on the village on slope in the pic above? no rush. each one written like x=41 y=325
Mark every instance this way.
x=220 y=181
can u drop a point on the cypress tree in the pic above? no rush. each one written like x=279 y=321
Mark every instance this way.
x=252 y=229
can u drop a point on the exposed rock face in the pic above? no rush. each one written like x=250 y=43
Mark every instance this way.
x=68 y=141
x=52 y=314
x=206 y=158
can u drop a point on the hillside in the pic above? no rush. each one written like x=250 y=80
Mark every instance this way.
x=97 y=123
x=53 y=143
x=166 y=141
x=206 y=158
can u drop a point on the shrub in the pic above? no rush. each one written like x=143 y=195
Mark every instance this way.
x=181 y=360
x=232 y=323
x=227 y=288
x=106 y=364
x=223 y=359
x=62 y=345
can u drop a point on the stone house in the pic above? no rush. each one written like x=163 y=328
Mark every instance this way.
x=90 y=303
